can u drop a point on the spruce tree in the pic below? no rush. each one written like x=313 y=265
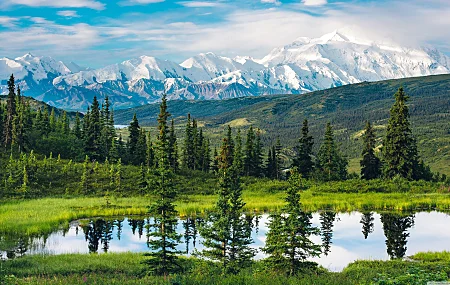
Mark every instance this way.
x=395 y=229
x=399 y=146
x=330 y=163
x=276 y=153
x=173 y=147
x=367 y=224
x=164 y=238
x=303 y=160
x=134 y=132
x=226 y=233
x=288 y=243
x=238 y=159
x=188 y=148
x=150 y=152
x=258 y=156
x=215 y=166
x=10 y=114
x=370 y=163
x=249 y=159
x=92 y=133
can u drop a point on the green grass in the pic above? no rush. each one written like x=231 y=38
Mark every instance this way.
x=126 y=268
x=40 y=216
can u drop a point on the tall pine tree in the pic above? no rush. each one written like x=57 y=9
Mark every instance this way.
x=331 y=165
x=303 y=160
x=370 y=163
x=164 y=238
x=399 y=147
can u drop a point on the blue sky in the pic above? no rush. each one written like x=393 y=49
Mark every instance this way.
x=99 y=32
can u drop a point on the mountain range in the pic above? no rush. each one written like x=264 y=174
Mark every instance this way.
x=306 y=65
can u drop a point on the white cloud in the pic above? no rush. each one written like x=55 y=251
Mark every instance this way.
x=8 y=22
x=92 y=4
x=68 y=14
x=314 y=2
x=276 y=2
x=139 y=2
x=199 y=4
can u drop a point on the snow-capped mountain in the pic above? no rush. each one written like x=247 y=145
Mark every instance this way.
x=305 y=65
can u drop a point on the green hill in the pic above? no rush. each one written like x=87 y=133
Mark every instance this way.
x=346 y=107
x=36 y=104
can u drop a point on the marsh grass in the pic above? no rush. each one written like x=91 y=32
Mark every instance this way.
x=127 y=268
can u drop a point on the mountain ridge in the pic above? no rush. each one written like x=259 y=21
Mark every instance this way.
x=305 y=65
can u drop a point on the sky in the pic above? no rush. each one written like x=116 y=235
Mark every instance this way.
x=96 y=33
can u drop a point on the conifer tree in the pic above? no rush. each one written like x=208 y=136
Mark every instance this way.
x=276 y=152
x=173 y=147
x=52 y=119
x=367 y=224
x=330 y=163
x=206 y=156
x=150 y=152
x=370 y=163
x=303 y=160
x=249 y=159
x=270 y=165
x=395 y=229
x=141 y=148
x=399 y=146
x=10 y=114
x=19 y=126
x=288 y=241
x=215 y=166
x=164 y=238
x=258 y=156
x=85 y=177
x=134 y=132
x=113 y=151
x=188 y=150
x=227 y=234
x=92 y=133
x=238 y=159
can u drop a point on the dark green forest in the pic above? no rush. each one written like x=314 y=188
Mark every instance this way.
x=347 y=108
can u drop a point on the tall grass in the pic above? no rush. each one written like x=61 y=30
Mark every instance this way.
x=44 y=215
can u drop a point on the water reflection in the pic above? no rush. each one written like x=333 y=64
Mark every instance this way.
x=384 y=236
x=367 y=223
x=396 y=231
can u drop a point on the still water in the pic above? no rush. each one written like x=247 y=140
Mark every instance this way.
x=345 y=237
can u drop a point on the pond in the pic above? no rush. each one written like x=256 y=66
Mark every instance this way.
x=345 y=237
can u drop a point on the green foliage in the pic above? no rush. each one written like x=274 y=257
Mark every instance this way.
x=288 y=241
x=163 y=237
x=226 y=232
x=370 y=163
x=331 y=165
x=303 y=159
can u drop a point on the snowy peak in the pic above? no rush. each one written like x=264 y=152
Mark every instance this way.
x=307 y=64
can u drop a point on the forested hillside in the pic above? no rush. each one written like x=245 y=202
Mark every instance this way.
x=347 y=108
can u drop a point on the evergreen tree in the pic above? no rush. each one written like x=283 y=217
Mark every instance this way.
x=164 y=238
x=367 y=224
x=278 y=162
x=206 y=156
x=150 y=153
x=19 y=126
x=10 y=114
x=330 y=163
x=370 y=163
x=395 y=229
x=249 y=159
x=238 y=159
x=399 y=147
x=288 y=241
x=215 y=166
x=188 y=150
x=134 y=132
x=173 y=147
x=303 y=160
x=327 y=219
x=270 y=165
x=141 y=148
x=85 y=177
x=258 y=156
x=92 y=133
x=227 y=234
